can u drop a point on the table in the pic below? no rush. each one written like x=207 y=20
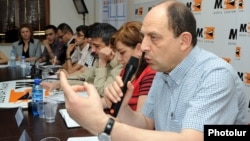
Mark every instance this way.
x=8 y=73
x=36 y=127
x=16 y=73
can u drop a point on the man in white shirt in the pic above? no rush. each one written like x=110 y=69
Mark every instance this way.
x=78 y=60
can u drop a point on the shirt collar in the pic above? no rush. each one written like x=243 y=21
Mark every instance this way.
x=175 y=77
x=21 y=41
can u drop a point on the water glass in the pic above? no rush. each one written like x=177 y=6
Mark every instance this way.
x=50 y=139
x=40 y=109
x=45 y=73
x=50 y=109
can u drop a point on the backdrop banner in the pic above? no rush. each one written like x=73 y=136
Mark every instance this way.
x=223 y=27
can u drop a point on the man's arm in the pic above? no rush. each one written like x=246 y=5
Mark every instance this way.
x=3 y=58
x=86 y=117
x=74 y=68
x=68 y=62
x=48 y=49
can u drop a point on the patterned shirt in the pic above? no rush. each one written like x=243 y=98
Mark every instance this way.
x=202 y=89
x=81 y=56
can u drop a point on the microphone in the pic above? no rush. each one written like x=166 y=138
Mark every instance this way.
x=79 y=79
x=128 y=73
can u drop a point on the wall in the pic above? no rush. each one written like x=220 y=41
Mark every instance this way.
x=65 y=11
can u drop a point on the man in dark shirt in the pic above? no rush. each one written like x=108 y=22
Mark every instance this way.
x=53 y=47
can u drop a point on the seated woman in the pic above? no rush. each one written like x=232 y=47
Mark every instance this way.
x=3 y=58
x=127 y=42
x=27 y=45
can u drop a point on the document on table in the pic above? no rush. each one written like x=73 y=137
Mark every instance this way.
x=16 y=93
x=92 y=138
x=59 y=95
x=70 y=123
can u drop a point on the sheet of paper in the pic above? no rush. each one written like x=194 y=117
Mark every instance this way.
x=68 y=120
x=59 y=95
x=16 y=93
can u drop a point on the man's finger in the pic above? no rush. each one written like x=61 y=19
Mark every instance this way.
x=91 y=90
x=78 y=88
x=68 y=91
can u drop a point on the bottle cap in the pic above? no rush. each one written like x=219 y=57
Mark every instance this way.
x=37 y=81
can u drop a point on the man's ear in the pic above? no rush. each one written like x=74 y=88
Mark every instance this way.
x=186 y=40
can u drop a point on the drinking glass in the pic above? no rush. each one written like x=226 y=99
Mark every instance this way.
x=45 y=73
x=50 y=139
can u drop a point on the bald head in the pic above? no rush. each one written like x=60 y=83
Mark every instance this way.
x=173 y=15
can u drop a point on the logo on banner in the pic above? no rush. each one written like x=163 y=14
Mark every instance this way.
x=241 y=4
x=237 y=52
x=209 y=33
x=195 y=6
x=245 y=77
x=244 y=29
x=233 y=34
x=206 y=34
x=139 y=11
x=228 y=6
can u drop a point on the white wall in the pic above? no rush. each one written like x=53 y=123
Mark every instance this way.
x=65 y=11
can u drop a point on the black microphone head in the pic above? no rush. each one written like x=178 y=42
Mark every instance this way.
x=133 y=61
x=130 y=68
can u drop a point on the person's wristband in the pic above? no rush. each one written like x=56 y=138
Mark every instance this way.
x=109 y=126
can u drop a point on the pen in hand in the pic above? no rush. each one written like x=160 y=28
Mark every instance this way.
x=54 y=62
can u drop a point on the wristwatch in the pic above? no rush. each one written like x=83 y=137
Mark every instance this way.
x=105 y=135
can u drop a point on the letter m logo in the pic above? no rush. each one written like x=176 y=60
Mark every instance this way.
x=233 y=34
x=218 y=4
x=199 y=32
x=243 y=28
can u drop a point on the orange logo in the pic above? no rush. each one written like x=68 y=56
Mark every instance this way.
x=247 y=78
x=197 y=5
x=248 y=28
x=237 y=52
x=209 y=33
x=241 y=4
x=140 y=11
x=230 y=4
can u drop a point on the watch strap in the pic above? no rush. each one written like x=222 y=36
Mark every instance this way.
x=109 y=126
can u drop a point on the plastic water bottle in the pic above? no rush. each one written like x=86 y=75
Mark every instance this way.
x=12 y=62
x=37 y=95
x=23 y=63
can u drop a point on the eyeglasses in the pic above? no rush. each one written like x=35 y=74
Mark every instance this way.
x=61 y=36
x=80 y=35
